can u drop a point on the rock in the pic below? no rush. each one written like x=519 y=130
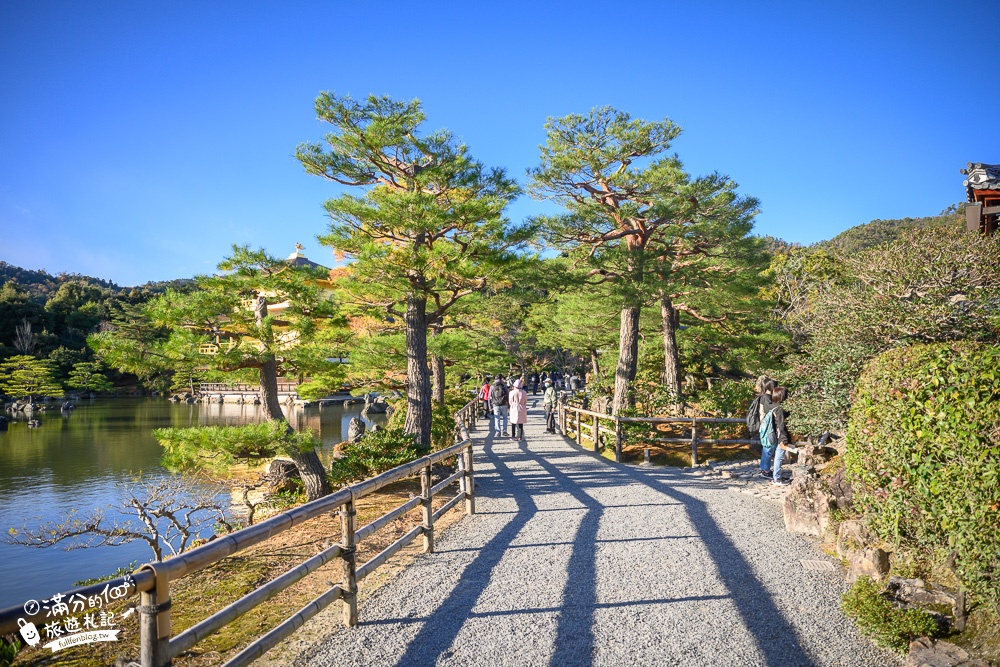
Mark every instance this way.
x=256 y=400
x=34 y=423
x=375 y=428
x=807 y=506
x=915 y=592
x=174 y=399
x=801 y=470
x=338 y=449
x=356 y=429
x=925 y=652
x=871 y=562
x=840 y=489
x=377 y=405
x=852 y=536
x=190 y=399
x=281 y=475
x=67 y=407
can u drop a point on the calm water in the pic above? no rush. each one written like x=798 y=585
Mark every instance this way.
x=74 y=463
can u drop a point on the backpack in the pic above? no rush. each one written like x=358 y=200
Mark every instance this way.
x=498 y=395
x=753 y=415
x=768 y=430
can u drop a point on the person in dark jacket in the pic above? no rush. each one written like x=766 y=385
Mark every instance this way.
x=780 y=417
x=764 y=387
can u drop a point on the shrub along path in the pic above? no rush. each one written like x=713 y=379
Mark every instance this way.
x=572 y=560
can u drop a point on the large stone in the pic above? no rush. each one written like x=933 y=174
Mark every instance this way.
x=925 y=652
x=356 y=429
x=375 y=405
x=807 y=506
x=840 y=489
x=869 y=562
x=852 y=536
x=281 y=475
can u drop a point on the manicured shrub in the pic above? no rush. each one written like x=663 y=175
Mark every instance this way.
x=375 y=453
x=887 y=625
x=923 y=453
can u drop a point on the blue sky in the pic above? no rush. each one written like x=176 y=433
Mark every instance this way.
x=138 y=141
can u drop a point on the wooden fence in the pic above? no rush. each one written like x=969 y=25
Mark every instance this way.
x=228 y=388
x=152 y=581
x=598 y=428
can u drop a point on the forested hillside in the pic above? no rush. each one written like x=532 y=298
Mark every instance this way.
x=877 y=232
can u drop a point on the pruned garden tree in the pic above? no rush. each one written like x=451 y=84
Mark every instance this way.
x=87 y=376
x=427 y=230
x=24 y=376
x=260 y=315
x=632 y=213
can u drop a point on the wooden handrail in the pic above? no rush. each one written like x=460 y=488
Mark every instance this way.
x=577 y=425
x=152 y=581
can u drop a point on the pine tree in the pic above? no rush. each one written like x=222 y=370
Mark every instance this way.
x=24 y=376
x=229 y=323
x=427 y=231
x=632 y=211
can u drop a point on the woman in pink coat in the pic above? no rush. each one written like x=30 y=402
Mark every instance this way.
x=518 y=410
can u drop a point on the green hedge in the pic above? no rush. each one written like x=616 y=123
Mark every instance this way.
x=923 y=453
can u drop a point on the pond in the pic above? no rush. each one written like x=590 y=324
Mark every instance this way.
x=76 y=462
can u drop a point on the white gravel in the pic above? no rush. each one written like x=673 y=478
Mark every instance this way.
x=572 y=560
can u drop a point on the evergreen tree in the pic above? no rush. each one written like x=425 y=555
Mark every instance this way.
x=427 y=232
x=88 y=377
x=226 y=324
x=24 y=376
x=632 y=211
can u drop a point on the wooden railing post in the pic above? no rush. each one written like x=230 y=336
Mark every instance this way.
x=694 y=442
x=579 y=436
x=347 y=554
x=470 y=482
x=597 y=434
x=618 y=439
x=425 y=495
x=154 y=622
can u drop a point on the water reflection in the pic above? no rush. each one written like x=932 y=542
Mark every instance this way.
x=74 y=463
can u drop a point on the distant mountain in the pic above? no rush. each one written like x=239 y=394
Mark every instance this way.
x=41 y=285
x=877 y=232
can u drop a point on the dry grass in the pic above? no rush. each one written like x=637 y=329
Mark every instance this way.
x=198 y=596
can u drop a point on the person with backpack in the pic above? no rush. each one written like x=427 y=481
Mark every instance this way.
x=760 y=406
x=774 y=432
x=549 y=403
x=498 y=400
x=518 y=410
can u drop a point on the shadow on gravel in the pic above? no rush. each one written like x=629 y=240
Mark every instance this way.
x=575 y=631
x=439 y=632
x=774 y=635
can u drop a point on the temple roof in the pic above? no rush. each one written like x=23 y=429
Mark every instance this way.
x=298 y=259
x=981 y=176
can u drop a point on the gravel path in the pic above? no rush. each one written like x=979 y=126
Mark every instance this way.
x=572 y=560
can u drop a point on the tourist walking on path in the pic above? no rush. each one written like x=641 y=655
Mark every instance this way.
x=759 y=408
x=484 y=396
x=518 y=410
x=534 y=384
x=498 y=399
x=779 y=417
x=549 y=403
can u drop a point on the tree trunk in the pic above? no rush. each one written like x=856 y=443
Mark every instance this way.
x=437 y=368
x=628 y=354
x=595 y=366
x=310 y=467
x=671 y=377
x=418 y=385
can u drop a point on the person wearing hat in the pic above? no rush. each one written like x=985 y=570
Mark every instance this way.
x=549 y=403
